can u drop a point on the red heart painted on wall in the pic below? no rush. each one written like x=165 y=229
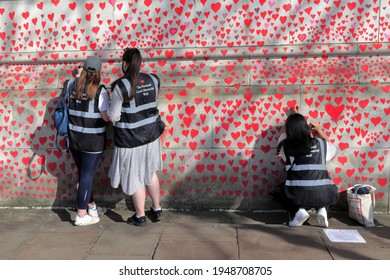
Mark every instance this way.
x=334 y=111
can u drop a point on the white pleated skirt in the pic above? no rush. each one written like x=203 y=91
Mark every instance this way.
x=133 y=168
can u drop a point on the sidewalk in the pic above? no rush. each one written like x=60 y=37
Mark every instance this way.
x=47 y=235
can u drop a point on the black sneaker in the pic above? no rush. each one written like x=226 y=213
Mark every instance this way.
x=133 y=220
x=156 y=215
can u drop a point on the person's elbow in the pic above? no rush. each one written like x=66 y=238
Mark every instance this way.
x=112 y=117
x=104 y=115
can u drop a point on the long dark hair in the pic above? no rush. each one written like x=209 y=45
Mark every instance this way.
x=133 y=58
x=298 y=141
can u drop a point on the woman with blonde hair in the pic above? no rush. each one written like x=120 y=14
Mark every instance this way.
x=88 y=104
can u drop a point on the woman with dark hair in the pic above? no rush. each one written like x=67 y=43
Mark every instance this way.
x=137 y=130
x=308 y=184
x=88 y=104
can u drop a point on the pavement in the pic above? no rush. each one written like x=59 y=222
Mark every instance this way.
x=47 y=234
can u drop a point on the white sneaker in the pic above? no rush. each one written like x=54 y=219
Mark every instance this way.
x=85 y=221
x=322 y=217
x=94 y=213
x=300 y=217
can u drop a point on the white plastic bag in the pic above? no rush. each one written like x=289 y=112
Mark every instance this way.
x=361 y=204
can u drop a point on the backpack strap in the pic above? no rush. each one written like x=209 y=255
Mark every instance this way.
x=67 y=144
x=66 y=99
x=67 y=90
x=41 y=171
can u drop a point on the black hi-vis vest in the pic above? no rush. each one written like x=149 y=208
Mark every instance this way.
x=308 y=182
x=140 y=121
x=87 y=129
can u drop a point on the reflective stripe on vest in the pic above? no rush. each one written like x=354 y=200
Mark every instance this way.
x=309 y=183
x=91 y=114
x=139 y=123
x=136 y=124
x=319 y=168
x=133 y=109
x=87 y=130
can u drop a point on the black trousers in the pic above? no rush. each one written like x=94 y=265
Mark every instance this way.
x=279 y=195
x=87 y=165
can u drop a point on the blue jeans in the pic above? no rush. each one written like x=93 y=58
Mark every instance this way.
x=87 y=165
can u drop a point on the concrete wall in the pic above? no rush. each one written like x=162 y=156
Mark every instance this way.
x=229 y=71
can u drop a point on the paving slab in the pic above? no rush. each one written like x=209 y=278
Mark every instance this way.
x=127 y=243
x=197 y=250
x=34 y=252
x=281 y=243
x=46 y=234
x=11 y=242
x=198 y=241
